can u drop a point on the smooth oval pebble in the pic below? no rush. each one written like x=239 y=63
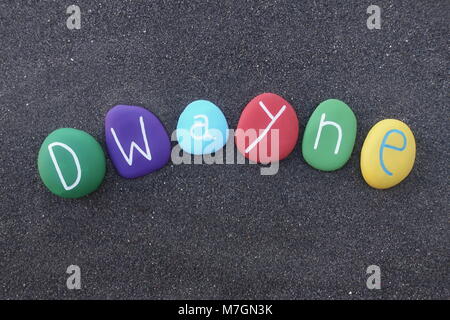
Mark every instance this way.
x=71 y=163
x=268 y=129
x=329 y=136
x=388 y=154
x=136 y=140
x=202 y=128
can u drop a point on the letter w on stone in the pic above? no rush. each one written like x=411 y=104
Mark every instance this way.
x=129 y=158
x=266 y=130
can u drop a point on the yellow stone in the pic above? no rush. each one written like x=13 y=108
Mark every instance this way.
x=388 y=154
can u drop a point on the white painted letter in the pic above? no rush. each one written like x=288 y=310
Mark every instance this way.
x=58 y=169
x=273 y=119
x=199 y=124
x=324 y=123
x=129 y=158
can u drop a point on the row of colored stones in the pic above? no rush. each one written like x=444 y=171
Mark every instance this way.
x=71 y=162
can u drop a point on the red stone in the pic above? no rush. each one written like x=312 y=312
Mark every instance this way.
x=268 y=129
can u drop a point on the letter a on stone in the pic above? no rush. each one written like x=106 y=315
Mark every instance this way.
x=374 y=21
x=74 y=21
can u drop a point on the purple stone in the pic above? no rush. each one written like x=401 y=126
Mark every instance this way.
x=136 y=140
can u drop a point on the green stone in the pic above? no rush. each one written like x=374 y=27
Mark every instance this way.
x=329 y=136
x=71 y=163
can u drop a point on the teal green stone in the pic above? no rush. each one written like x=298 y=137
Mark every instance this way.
x=329 y=136
x=71 y=163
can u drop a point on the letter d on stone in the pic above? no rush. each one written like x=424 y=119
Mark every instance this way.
x=74 y=281
x=58 y=169
x=374 y=281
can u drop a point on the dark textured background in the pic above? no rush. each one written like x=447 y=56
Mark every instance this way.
x=224 y=231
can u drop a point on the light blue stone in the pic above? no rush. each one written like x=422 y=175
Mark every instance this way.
x=202 y=128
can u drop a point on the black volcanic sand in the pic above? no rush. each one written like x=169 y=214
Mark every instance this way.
x=224 y=231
